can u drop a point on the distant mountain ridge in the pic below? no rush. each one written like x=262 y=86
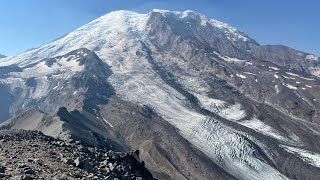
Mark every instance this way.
x=2 y=56
x=197 y=97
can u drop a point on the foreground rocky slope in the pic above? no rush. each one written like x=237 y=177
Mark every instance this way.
x=32 y=155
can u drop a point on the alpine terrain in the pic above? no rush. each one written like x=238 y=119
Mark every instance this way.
x=2 y=56
x=198 y=98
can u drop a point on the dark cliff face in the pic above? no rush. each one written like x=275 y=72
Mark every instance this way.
x=5 y=102
x=168 y=30
x=286 y=57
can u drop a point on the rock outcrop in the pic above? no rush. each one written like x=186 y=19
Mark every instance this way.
x=33 y=155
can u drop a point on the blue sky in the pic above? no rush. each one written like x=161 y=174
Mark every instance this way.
x=25 y=24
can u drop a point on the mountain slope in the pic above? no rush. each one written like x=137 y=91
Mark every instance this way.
x=63 y=125
x=47 y=158
x=205 y=100
x=80 y=75
x=288 y=57
x=2 y=56
x=155 y=137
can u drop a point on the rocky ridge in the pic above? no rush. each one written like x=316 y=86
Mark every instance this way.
x=33 y=155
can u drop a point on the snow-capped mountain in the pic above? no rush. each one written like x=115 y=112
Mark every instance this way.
x=2 y=56
x=199 y=98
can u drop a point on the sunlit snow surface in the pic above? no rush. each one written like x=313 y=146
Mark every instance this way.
x=116 y=38
x=221 y=143
x=231 y=32
x=259 y=126
x=312 y=57
x=62 y=68
x=308 y=156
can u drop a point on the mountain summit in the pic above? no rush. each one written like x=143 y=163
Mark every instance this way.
x=110 y=30
x=198 y=98
x=104 y=32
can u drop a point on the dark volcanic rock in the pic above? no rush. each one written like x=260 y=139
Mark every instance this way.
x=286 y=57
x=32 y=155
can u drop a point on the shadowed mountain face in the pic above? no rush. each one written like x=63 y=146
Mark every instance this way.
x=2 y=56
x=5 y=102
x=288 y=57
x=197 y=97
x=79 y=77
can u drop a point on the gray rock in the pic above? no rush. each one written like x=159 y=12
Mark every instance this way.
x=77 y=162
x=24 y=146
x=26 y=177
x=2 y=169
x=29 y=171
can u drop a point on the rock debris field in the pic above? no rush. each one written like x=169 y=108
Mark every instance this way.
x=33 y=155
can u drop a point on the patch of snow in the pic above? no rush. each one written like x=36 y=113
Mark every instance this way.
x=290 y=86
x=292 y=74
x=288 y=77
x=315 y=71
x=274 y=68
x=241 y=76
x=41 y=88
x=311 y=158
x=249 y=73
x=223 y=109
x=194 y=84
x=230 y=59
x=309 y=79
x=263 y=128
x=276 y=76
x=308 y=86
x=108 y=122
x=277 y=88
x=311 y=57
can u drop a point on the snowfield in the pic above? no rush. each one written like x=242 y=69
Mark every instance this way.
x=310 y=157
